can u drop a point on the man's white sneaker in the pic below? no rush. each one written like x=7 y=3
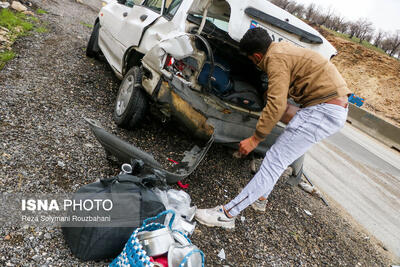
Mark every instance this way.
x=215 y=217
x=260 y=205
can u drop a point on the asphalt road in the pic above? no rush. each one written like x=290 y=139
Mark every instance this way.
x=363 y=176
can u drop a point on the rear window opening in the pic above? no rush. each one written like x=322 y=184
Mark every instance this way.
x=234 y=79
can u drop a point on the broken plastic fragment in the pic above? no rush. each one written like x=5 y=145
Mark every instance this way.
x=183 y=186
x=221 y=254
x=308 y=212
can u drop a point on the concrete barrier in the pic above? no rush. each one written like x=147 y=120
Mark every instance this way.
x=381 y=130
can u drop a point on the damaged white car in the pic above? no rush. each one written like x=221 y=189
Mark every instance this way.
x=182 y=56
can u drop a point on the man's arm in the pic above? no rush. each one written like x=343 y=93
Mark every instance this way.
x=279 y=79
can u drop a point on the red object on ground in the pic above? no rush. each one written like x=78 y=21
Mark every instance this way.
x=162 y=259
x=173 y=161
x=184 y=186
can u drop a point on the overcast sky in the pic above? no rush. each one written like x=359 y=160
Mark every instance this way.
x=384 y=14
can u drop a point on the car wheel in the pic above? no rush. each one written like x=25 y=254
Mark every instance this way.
x=93 y=49
x=131 y=103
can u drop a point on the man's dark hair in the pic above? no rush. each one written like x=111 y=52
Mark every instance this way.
x=256 y=40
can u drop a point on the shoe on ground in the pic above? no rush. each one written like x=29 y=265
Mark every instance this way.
x=260 y=205
x=215 y=217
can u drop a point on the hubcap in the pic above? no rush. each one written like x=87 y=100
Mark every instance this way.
x=124 y=95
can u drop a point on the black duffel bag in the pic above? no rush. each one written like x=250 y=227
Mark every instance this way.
x=133 y=202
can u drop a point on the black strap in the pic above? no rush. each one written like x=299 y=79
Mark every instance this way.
x=122 y=178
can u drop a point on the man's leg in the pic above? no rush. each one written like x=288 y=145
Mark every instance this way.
x=309 y=126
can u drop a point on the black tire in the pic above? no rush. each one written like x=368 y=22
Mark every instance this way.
x=131 y=103
x=93 y=49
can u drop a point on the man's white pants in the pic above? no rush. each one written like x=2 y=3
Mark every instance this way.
x=310 y=125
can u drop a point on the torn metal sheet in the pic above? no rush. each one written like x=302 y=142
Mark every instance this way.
x=126 y=152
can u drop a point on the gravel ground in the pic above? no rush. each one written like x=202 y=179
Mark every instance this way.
x=45 y=146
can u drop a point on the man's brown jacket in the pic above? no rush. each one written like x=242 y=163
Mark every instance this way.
x=297 y=73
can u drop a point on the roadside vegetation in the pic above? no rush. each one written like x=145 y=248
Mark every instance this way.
x=12 y=26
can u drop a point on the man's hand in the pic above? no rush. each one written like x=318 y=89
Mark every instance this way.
x=248 y=145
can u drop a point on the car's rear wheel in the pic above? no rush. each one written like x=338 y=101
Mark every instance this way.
x=93 y=49
x=131 y=103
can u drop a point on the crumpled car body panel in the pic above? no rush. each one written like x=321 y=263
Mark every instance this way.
x=126 y=152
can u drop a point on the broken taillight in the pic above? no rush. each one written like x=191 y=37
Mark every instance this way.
x=169 y=61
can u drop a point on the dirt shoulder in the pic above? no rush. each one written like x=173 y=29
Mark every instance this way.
x=46 y=147
x=371 y=75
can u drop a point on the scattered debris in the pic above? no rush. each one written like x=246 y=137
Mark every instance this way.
x=221 y=254
x=18 y=6
x=61 y=164
x=308 y=212
x=183 y=186
x=4 y=4
x=237 y=155
x=310 y=189
x=7 y=237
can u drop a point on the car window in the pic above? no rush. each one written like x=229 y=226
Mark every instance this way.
x=171 y=7
x=130 y=3
x=154 y=5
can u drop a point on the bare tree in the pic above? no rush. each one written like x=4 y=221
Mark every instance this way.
x=281 y=3
x=394 y=43
x=343 y=26
x=296 y=9
x=353 y=29
x=391 y=44
x=336 y=23
x=379 y=36
x=310 y=11
x=366 y=28
x=323 y=18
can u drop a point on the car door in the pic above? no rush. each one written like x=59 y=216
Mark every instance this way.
x=138 y=19
x=122 y=25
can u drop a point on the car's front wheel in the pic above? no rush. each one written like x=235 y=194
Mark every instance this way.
x=131 y=103
x=93 y=49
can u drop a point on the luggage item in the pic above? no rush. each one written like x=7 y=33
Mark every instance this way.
x=180 y=253
x=132 y=204
x=220 y=82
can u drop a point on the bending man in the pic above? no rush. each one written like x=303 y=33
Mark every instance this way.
x=311 y=81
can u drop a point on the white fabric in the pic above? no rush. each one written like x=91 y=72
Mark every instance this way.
x=310 y=125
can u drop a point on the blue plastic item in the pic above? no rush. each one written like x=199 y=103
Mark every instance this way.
x=220 y=82
x=356 y=100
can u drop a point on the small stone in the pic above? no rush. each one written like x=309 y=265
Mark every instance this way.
x=242 y=218
x=7 y=237
x=29 y=13
x=4 y=4
x=35 y=257
x=89 y=145
x=61 y=164
x=18 y=6
x=47 y=236
x=9 y=264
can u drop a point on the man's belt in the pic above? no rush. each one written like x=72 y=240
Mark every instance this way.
x=339 y=102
